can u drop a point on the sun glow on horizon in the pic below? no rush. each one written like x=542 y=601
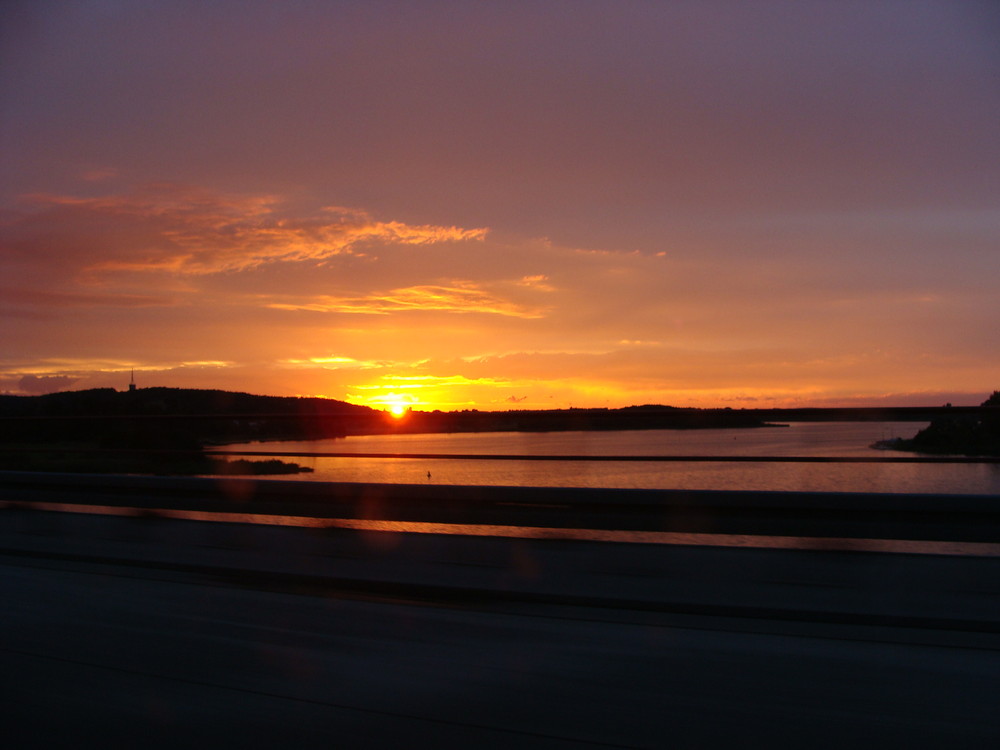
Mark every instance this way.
x=395 y=405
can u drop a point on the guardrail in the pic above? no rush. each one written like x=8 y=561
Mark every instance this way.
x=930 y=517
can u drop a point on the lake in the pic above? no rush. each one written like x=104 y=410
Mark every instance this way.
x=837 y=439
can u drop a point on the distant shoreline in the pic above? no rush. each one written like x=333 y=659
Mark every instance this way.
x=188 y=419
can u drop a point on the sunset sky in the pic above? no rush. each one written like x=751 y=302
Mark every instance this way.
x=502 y=205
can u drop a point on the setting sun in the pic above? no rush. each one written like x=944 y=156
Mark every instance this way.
x=396 y=405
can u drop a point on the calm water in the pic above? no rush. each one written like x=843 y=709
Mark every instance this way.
x=798 y=439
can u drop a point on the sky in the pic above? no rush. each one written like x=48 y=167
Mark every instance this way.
x=504 y=205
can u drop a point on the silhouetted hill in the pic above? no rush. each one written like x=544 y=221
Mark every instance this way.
x=159 y=430
x=162 y=418
x=172 y=401
x=179 y=418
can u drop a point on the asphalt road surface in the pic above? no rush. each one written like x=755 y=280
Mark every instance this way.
x=110 y=655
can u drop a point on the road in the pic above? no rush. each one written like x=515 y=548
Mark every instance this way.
x=105 y=653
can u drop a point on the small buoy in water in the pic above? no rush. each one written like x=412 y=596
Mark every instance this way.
x=428 y=475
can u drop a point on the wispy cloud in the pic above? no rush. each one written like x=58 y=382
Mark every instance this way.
x=538 y=281
x=460 y=297
x=428 y=381
x=332 y=363
x=639 y=342
x=183 y=230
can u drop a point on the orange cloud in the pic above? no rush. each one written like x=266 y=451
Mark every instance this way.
x=461 y=297
x=538 y=281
